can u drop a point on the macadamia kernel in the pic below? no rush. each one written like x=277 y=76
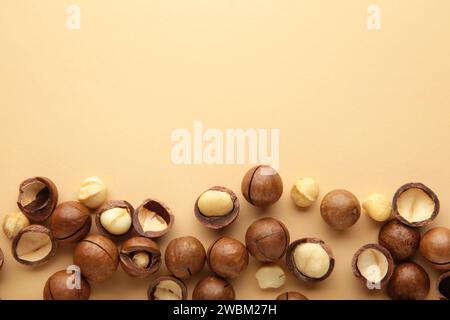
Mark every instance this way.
x=116 y=221
x=13 y=223
x=270 y=276
x=304 y=192
x=168 y=290
x=311 y=260
x=92 y=192
x=378 y=207
x=215 y=203
x=141 y=259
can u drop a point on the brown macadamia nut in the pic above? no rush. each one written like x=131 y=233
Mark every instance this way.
x=185 y=257
x=262 y=186
x=38 y=197
x=34 y=245
x=409 y=282
x=435 y=247
x=152 y=219
x=14 y=222
x=291 y=295
x=140 y=257
x=114 y=219
x=400 y=240
x=167 y=288
x=227 y=257
x=213 y=288
x=340 y=209
x=63 y=286
x=70 y=222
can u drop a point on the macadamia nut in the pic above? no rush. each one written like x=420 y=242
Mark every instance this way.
x=116 y=221
x=13 y=223
x=372 y=264
x=415 y=205
x=378 y=207
x=168 y=290
x=304 y=192
x=270 y=276
x=92 y=192
x=311 y=260
x=151 y=221
x=141 y=259
x=215 y=203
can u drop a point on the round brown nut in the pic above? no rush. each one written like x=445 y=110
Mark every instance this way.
x=443 y=286
x=70 y=222
x=140 y=257
x=97 y=257
x=262 y=186
x=185 y=257
x=409 y=282
x=38 y=197
x=114 y=219
x=167 y=288
x=267 y=239
x=435 y=247
x=310 y=259
x=34 y=245
x=401 y=240
x=415 y=205
x=217 y=207
x=62 y=286
x=340 y=209
x=374 y=265
x=213 y=288
x=291 y=295
x=227 y=257
x=153 y=219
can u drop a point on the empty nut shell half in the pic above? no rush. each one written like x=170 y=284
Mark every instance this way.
x=114 y=219
x=140 y=257
x=63 y=286
x=38 y=197
x=443 y=286
x=217 y=207
x=167 y=288
x=153 y=219
x=291 y=295
x=373 y=264
x=415 y=205
x=34 y=245
x=70 y=222
x=299 y=255
x=213 y=288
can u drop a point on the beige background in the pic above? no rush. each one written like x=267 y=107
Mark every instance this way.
x=357 y=109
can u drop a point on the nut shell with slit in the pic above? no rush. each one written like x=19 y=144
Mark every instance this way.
x=262 y=186
x=37 y=199
x=185 y=257
x=435 y=247
x=167 y=288
x=227 y=257
x=153 y=219
x=57 y=287
x=213 y=288
x=340 y=209
x=70 y=222
x=114 y=219
x=140 y=257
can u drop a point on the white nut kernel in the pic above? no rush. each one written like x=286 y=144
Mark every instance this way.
x=311 y=260
x=151 y=221
x=270 y=276
x=141 y=259
x=215 y=203
x=304 y=192
x=168 y=290
x=378 y=207
x=92 y=192
x=116 y=221
x=13 y=223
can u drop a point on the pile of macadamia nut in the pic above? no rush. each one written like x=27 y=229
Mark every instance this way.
x=42 y=223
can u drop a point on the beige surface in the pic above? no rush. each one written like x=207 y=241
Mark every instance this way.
x=366 y=111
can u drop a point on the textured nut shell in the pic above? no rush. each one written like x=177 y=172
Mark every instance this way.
x=97 y=257
x=291 y=295
x=445 y=277
x=70 y=222
x=428 y=191
x=56 y=288
x=185 y=257
x=291 y=263
x=267 y=239
x=227 y=257
x=213 y=288
x=42 y=213
x=110 y=204
x=138 y=244
x=39 y=229
x=399 y=239
x=340 y=209
x=161 y=209
x=154 y=283
x=409 y=282
x=384 y=251
x=435 y=247
x=262 y=189
x=222 y=221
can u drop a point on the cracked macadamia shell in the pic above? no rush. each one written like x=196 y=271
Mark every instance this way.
x=415 y=205
x=409 y=282
x=152 y=219
x=185 y=257
x=291 y=295
x=70 y=222
x=213 y=288
x=140 y=257
x=63 y=286
x=97 y=257
x=114 y=219
x=399 y=239
x=262 y=186
x=267 y=239
x=38 y=197
x=340 y=209
x=167 y=288
x=227 y=257
x=435 y=247
x=373 y=264
x=443 y=286
x=34 y=245
x=217 y=207
x=310 y=259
